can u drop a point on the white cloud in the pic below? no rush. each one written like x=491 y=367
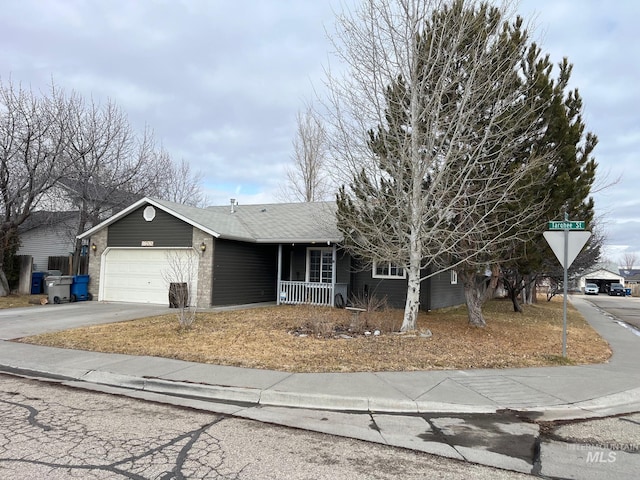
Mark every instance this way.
x=220 y=82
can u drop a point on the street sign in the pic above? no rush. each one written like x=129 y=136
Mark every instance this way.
x=567 y=225
x=566 y=245
x=575 y=242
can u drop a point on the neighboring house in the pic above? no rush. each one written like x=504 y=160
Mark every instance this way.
x=51 y=230
x=241 y=254
x=603 y=277
x=631 y=276
x=47 y=234
x=68 y=194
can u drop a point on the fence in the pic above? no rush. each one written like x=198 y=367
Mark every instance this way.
x=65 y=265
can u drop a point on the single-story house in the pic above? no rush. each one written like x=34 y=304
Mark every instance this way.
x=603 y=277
x=241 y=254
x=631 y=276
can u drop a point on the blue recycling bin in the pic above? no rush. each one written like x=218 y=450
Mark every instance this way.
x=37 y=283
x=627 y=292
x=80 y=288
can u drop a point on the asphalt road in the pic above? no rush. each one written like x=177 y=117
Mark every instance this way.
x=54 y=432
x=626 y=309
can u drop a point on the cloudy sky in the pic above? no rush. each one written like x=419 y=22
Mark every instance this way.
x=220 y=81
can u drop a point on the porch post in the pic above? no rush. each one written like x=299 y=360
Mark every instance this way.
x=278 y=285
x=334 y=257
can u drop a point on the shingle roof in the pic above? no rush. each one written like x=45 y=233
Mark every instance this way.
x=265 y=223
x=41 y=218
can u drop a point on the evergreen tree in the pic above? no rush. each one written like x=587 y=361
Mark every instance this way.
x=569 y=175
x=436 y=183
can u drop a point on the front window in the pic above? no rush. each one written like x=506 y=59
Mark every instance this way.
x=388 y=270
x=320 y=265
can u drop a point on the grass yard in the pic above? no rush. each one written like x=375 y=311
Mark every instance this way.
x=312 y=339
x=15 y=301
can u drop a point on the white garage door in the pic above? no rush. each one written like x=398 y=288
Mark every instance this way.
x=142 y=275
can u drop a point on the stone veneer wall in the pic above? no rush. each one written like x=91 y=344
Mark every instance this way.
x=95 y=258
x=205 y=267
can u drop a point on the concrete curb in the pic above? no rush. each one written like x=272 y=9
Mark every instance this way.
x=615 y=404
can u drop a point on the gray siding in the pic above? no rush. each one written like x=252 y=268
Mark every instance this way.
x=244 y=273
x=164 y=231
x=44 y=242
x=435 y=292
x=443 y=293
x=395 y=290
x=343 y=268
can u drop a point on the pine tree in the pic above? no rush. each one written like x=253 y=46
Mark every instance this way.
x=435 y=184
x=569 y=175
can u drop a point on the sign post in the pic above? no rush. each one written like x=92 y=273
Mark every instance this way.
x=566 y=243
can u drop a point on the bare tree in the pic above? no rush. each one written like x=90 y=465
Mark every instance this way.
x=628 y=260
x=179 y=184
x=110 y=166
x=307 y=179
x=32 y=159
x=427 y=121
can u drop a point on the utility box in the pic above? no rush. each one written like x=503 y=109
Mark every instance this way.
x=59 y=288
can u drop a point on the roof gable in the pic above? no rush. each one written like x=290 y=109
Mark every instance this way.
x=267 y=223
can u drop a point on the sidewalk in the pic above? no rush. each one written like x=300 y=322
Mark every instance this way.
x=547 y=393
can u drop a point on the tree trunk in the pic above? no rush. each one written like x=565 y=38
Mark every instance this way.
x=477 y=290
x=513 y=294
x=474 y=304
x=4 y=285
x=412 y=305
x=528 y=292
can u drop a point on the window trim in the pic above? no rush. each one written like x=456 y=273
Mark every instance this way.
x=454 y=277
x=388 y=269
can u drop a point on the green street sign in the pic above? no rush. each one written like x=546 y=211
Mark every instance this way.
x=567 y=225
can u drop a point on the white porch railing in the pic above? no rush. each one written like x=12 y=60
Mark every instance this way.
x=309 y=293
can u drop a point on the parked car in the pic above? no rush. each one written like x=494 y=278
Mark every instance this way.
x=617 y=289
x=591 y=289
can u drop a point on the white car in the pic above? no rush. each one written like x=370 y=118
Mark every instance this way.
x=591 y=289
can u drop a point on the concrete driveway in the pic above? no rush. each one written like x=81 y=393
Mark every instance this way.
x=22 y=322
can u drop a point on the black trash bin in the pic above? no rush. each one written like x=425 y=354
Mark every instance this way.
x=178 y=295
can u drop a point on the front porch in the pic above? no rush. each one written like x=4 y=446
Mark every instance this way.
x=310 y=293
x=319 y=267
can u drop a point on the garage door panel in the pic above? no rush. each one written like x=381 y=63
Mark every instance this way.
x=143 y=275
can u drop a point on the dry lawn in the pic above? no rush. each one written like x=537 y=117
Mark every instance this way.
x=15 y=301
x=270 y=338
